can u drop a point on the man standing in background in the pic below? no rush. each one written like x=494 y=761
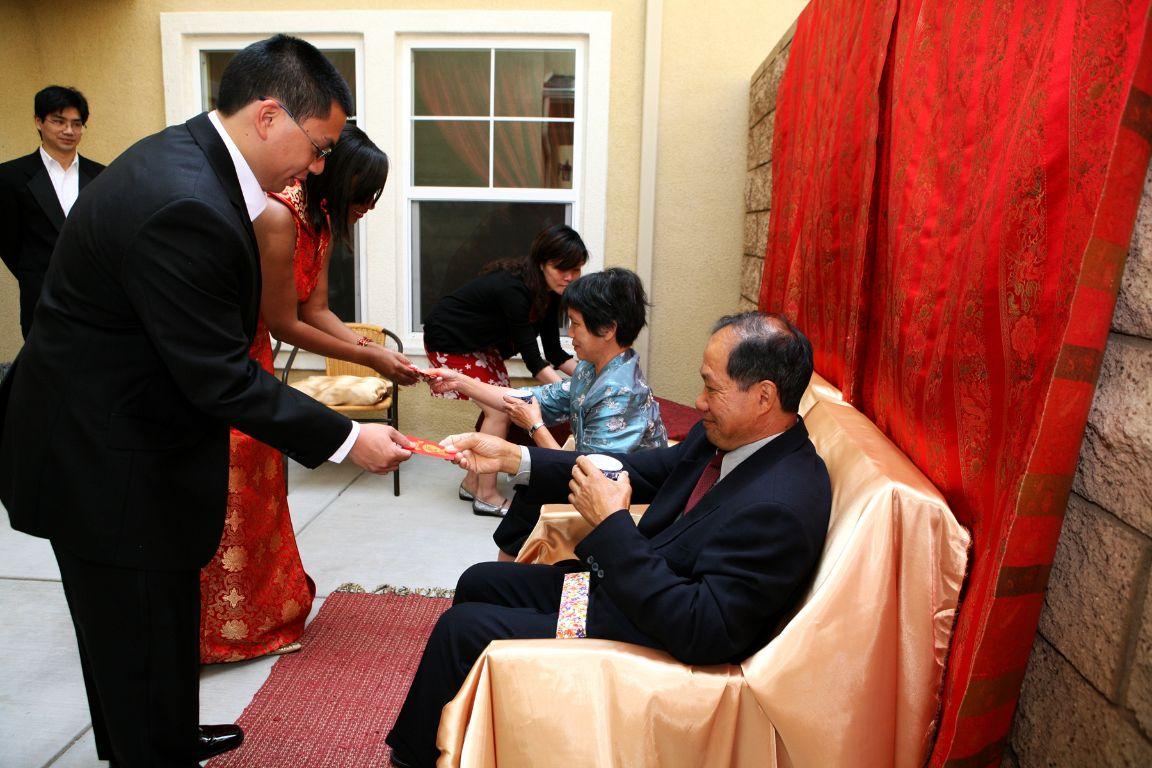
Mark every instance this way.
x=37 y=191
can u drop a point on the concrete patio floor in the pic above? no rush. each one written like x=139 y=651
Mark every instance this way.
x=350 y=528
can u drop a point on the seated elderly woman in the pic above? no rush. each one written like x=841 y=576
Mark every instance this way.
x=607 y=401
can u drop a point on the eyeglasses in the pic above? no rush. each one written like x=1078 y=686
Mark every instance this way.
x=321 y=152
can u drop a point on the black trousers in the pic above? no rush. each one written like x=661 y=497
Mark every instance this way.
x=137 y=631
x=494 y=601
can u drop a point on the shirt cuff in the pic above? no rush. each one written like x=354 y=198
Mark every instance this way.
x=342 y=451
x=524 y=471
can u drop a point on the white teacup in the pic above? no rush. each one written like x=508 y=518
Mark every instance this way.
x=524 y=395
x=612 y=468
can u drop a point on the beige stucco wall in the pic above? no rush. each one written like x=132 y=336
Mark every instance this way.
x=111 y=50
x=20 y=63
x=709 y=49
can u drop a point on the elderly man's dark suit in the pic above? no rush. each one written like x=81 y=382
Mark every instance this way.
x=708 y=586
x=114 y=439
x=30 y=222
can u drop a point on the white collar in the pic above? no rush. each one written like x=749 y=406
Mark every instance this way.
x=736 y=456
x=254 y=198
x=47 y=158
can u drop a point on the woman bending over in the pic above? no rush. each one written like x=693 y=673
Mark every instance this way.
x=513 y=307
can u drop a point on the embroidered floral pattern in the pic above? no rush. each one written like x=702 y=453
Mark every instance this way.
x=573 y=617
x=486 y=365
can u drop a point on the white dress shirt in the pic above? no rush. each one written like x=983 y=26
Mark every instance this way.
x=66 y=181
x=256 y=201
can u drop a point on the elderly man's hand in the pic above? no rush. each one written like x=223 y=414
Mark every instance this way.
x=594 y=495
x=482 y=453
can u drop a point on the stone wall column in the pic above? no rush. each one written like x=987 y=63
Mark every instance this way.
x=758 y=187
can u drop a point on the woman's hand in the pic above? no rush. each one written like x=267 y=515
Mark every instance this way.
x=446 y=380
x=523 y=415
x=392 y=365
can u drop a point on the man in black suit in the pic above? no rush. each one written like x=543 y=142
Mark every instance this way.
x=114 y=418
x=737 y=521
x=37 y=191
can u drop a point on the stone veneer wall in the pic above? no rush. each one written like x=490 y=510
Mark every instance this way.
x=1087 y=695
x=758 y=187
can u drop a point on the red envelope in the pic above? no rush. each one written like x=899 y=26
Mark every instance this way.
x=422 y=375
x=429 y=448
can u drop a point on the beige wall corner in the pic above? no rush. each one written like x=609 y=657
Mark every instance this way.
x=709 y=53
x=22 y=78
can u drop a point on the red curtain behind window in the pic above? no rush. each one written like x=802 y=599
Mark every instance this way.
x=954 y=246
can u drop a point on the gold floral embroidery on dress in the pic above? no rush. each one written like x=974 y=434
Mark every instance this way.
x=235 y=558
x=290 y=610
x=235 y=629
x=233 y=598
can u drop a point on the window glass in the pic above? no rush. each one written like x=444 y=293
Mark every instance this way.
x=493 y=132
x=453 y=241
x=450 y=153
x=532 y=155
x=535 y=83
x=450 y=83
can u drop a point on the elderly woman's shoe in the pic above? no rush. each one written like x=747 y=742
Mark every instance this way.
x=490 y=510
x=465 y=495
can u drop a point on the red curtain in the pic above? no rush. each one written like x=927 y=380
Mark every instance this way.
x=955 y=252
x=824 y=160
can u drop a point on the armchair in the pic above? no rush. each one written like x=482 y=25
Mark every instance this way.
x=851 y=679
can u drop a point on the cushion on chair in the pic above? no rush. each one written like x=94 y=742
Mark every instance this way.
x=852 y=679
x=346 y=390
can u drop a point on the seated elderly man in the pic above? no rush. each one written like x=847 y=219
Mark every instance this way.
x=737 y=521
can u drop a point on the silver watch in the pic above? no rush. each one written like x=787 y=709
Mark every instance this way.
x=532 y=429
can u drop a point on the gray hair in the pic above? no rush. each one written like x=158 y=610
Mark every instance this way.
x=770 y=348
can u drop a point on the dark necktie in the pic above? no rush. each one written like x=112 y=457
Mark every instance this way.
x=707 y=480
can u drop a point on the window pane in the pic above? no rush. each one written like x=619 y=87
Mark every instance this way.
x=212 y=64
x=535 y=83
x=450 y=83
x=342 y=283
x=450 y=153
x=533 y=155
x=454 y=240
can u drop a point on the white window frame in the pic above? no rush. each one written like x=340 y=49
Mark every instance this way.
x=383 y=41
x=412 y=193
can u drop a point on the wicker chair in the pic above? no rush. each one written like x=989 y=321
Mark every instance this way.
x=387 y=411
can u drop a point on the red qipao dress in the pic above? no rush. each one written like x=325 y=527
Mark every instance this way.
x=254 y=594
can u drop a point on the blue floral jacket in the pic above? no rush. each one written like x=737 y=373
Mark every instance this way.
x=614 y=411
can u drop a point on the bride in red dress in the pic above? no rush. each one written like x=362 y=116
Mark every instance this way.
x=254 y=594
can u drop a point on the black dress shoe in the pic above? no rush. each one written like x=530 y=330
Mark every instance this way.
x=217 y=739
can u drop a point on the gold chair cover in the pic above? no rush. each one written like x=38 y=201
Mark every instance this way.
x=852 y=679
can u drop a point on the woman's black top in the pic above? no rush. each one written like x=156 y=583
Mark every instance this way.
x=493 y=311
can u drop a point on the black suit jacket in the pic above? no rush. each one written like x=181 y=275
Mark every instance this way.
x=30 y=222
x=709 y=587
x=114 y=441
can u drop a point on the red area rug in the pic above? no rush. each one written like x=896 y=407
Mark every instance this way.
x=331 y=704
